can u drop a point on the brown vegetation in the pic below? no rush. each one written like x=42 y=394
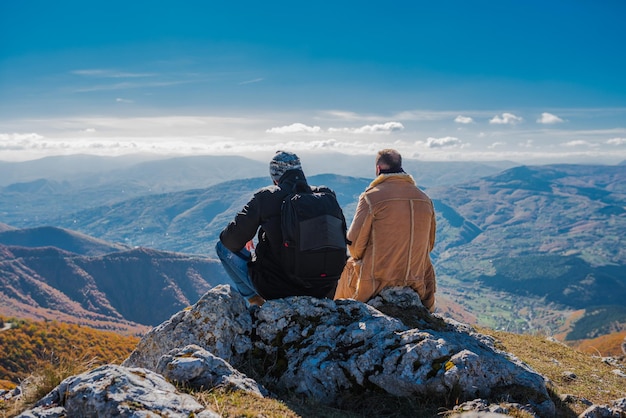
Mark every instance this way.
x=605 y=345
x=57 y=351
x=27 y=345
x=594 y=378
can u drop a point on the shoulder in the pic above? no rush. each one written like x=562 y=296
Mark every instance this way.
x=270 y=194
x=322 y=189
x=268 y=190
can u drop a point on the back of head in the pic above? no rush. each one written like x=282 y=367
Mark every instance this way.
x=282 y=162
x=389 y=160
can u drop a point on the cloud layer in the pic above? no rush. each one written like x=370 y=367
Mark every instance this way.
x=421 y=134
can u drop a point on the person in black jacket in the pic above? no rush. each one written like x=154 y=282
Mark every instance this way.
x=259 y=275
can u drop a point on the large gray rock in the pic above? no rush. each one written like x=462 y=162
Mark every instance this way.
x=110 y=391
x=199 y=369
x=323 y=349
x=219 y=322
x=616 y=410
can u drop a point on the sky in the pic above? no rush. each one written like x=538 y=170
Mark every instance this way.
x=526 y=81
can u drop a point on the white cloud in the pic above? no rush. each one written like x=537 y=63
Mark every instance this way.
x=616 y=141
x=506 y=119
x=384 y=127
x=463 y=119
x=120 y=100
x=224 y=134
x=20 y=137
x=445 y=142
x=549 y=119
x=256 y=80
x=579 y=143
x=294 y=128
x=110 y=73
x=376 y=128
x=346 y=115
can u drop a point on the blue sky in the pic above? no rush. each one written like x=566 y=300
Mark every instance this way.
x=531 y=81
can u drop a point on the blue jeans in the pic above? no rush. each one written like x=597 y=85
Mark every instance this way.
x=236 y=266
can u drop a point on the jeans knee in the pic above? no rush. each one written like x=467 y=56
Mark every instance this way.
x=220 y=250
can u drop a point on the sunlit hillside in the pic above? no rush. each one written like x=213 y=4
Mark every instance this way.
x=26 y=345
x=605 y=345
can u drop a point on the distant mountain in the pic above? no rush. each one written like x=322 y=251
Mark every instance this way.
x=122 y=290
x=53 y=186
x=64 y=239
x=165 y=173
x=556 y=209
x=5 y=227
x=550 y=233
x=520 y=249
x=188 y=221
x=425 y=173
x=61 y=168
x=34 y=192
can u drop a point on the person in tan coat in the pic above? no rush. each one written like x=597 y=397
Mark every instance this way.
x=392 y=235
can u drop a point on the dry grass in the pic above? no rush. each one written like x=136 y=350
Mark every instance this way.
x=242 y=404
x=47 y=376
x=594 y=381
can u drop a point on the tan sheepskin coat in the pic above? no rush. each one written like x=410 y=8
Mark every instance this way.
x=392 y=235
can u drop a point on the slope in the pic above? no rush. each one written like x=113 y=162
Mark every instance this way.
x=550 y=234
x=122 y=290
x=65 y=239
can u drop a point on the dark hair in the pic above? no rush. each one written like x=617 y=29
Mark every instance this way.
x=389 y=159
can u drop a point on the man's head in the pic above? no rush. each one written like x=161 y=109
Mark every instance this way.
x=388 y=160
x=282 y=162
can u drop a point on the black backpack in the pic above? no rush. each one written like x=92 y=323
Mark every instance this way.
x=314 y=236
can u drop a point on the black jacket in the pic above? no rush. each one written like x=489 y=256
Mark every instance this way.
x=262 y=213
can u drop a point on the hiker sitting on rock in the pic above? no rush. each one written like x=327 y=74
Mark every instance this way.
x=278 y=268
x=391 y=236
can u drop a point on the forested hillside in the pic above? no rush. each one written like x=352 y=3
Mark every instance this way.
x=26 y=345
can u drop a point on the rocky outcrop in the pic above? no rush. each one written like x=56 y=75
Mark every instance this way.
x=114 y=391
x=323 y=350
x=199 y=369
x=219 y=322
x=327 y=348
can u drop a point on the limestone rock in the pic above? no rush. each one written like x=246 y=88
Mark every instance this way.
x=219 y=322
x=196 y=367
x=117 y=391
x=324 y=348
x=599 y=411
x=616 y=410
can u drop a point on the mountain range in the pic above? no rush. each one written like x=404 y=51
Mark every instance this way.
x=124 y=291
x=520 y=248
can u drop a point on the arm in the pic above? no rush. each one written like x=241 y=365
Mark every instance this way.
x=359 y=232
x=433 y=231
x=243 y=228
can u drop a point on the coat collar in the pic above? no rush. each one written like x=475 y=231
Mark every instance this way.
x=383 y=177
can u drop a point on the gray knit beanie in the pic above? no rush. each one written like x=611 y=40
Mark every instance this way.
x=282 y=162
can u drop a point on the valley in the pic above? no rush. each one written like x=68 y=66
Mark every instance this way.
x=520 y=249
